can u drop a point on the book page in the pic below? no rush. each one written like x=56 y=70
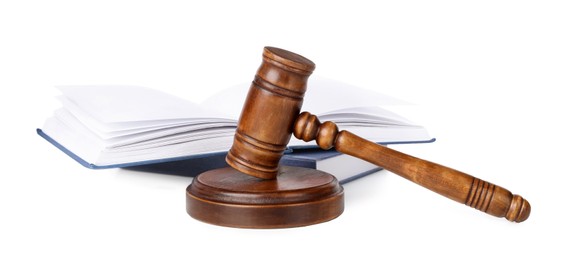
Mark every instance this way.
x=229 y=101
x=325 y=95
x=120 y=104
x=322 y=96
x=371 y=115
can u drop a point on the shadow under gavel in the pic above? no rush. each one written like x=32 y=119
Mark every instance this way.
x=453 y=184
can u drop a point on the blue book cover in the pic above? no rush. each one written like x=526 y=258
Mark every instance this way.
x=346 y=168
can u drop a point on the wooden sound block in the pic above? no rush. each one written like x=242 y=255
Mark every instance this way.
x=297 y=197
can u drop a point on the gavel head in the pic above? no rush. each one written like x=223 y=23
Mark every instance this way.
x=270 y=110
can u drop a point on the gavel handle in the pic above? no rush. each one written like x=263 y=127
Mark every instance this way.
x=456 y=185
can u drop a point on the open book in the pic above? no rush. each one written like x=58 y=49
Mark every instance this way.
x=123 y=126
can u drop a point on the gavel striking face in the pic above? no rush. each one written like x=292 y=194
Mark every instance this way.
x=270 y=115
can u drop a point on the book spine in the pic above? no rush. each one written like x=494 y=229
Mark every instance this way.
x=290 y=161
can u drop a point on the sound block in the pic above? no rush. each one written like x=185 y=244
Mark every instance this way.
x=297 y=197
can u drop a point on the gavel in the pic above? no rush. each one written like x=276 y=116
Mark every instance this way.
x=255 y=192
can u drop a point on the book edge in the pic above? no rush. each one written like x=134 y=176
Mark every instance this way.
x=124 y=165
x=119 y=165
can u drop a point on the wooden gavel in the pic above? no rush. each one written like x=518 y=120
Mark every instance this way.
x=453 y=184
x=270 y=115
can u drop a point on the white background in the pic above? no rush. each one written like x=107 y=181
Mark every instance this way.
x=484 y=74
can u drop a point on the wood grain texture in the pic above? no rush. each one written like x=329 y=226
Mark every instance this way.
x=453 y=184
x=297 y=197
x=272 y=105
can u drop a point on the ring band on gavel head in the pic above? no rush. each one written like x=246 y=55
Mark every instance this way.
x=270 y=110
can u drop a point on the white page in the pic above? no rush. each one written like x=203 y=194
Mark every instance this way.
x=188 y=126
x=113 y=104
x=322 y=96
x=114 y=130
x=173 y=139
x=365 y=114
x=75 y=138
x=325 y=95
x=201 y=146
x=154 y=136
